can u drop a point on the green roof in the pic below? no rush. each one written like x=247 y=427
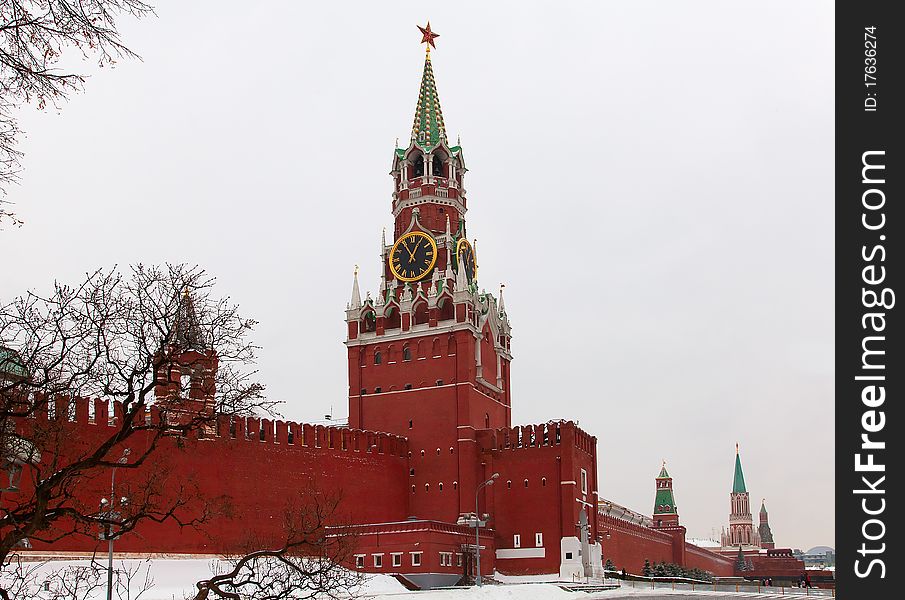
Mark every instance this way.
x=11 y=363
x=664 y=502
x=763 y=508
x=428 y=128
x=738 y=482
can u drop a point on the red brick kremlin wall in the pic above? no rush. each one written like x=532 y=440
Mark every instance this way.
x=247 y=479
x=247 y=482
x=628 y=545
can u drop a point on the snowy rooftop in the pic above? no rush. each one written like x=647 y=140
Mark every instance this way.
x=702 y=543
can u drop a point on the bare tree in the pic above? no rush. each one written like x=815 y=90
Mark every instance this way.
x=308 y=563
x=37 y=580
x=117 y=336
x=132 y=581
x=72 y=582
x=33 y=37
x=19 y=579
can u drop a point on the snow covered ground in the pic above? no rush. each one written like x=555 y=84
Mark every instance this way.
x=174 y=579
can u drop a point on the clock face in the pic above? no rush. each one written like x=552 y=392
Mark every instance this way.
x=465 y=255
x=413 y=256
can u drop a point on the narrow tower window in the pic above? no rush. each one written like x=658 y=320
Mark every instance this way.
x=437 y=166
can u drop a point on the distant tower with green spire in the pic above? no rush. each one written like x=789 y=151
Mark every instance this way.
x=741 y=526
x=665 y=512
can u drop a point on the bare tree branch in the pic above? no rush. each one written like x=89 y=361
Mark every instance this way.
x=33 y=37
x=122 y=337
x=307 y=564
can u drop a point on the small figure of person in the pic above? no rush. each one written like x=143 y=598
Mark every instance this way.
x=623 y=573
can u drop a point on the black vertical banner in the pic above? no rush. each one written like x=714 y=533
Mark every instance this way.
x=870 y=370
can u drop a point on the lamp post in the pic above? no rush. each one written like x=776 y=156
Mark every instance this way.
x=16 y=453
x=111 y=514
x=477 y=528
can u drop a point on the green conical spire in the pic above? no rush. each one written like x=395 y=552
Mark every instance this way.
x=428 y=128
x=664 y=501
x=738 y=482
x=763 y=507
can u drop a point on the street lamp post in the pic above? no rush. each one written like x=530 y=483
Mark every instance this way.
x=111 y=514
x=16 y=453
x=477 y=528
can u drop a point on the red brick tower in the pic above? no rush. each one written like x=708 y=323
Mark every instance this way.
x=666 y=515
x=429 y=354
x=186 y=383
x=665 y=512
x=741 y=526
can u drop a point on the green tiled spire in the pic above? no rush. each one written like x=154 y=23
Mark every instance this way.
x=738 y=482
x=428 y=128
x=664 y=502
x=763 y=507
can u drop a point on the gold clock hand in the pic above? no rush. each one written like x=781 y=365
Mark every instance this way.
x=411 y=252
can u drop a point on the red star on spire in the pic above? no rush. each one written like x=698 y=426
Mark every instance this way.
x=427 y=36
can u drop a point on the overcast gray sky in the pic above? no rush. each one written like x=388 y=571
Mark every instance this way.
x=651 y=180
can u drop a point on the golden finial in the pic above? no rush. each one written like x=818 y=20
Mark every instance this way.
x=356 y=270
x=736 y=447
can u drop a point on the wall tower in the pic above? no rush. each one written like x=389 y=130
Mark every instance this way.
x=665 y=512
x=186 y=379
x=741 y=526
x=763 y=530
x=429 y=352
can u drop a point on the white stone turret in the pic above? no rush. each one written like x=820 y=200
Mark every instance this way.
x=461 y=278
x=355 y=302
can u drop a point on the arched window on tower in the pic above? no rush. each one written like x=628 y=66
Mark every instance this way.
x=422 y=314
x=437 y=166
x=378 y=357
x=392 y=319
x=418 y=166
x=447 y=311
x=369 y=322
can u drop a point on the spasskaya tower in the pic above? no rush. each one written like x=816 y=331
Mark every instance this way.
x=429 y=352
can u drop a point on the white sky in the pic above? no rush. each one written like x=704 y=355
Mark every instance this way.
x=652 y=181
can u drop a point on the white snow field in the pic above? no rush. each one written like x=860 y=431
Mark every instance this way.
x=174 y=579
